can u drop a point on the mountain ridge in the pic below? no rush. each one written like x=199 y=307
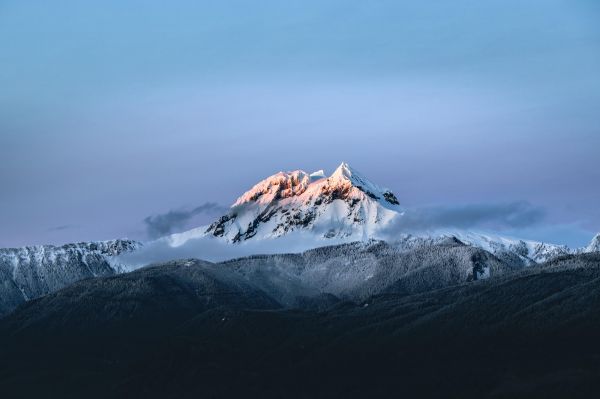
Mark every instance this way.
x=342 y=208
x=188 y=328
x=33 y=271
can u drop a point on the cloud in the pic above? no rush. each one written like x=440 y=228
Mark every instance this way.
x=165 y=223
x=214 y=249
x=63 y=227
x=511 y=215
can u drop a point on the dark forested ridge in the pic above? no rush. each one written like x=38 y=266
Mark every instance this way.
x=197 y=329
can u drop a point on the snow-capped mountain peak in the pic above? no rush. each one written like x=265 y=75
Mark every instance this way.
x=284 y=185
x=345 y=204
x=344 y=173
x=279 y=186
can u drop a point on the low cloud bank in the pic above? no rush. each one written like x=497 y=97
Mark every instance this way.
x=213 y=249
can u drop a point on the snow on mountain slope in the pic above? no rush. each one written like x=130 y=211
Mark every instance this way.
x=344 y=205
x=513 y=250
x=594 y=245
x=30 y=272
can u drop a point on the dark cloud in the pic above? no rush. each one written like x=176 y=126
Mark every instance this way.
x=163 y=224
x=518 y=214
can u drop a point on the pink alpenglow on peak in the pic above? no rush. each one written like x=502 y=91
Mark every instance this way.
x=345 y=204
x=279 y=186
x=346 y=173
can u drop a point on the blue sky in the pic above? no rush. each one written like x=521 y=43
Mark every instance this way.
x=114 y=111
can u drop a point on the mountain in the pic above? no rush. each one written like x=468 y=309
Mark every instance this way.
x=345 y=204
x=348 y=272
x=189 y=285
x=190 y=328
x=343 y=207
x=30 y=272
x=515 y=250
x=359 y=270
x=287 y=212
x=445 y=313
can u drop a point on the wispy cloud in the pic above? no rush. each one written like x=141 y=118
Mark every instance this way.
x=511 y=215
x=214 y=249
x=165 y=223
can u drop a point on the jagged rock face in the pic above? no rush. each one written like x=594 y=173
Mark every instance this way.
x=344 y=204
x=279 y=186
x=391 y=198
x=30 y=272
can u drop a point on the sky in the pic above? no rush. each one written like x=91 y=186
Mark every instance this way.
x=114 y=114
